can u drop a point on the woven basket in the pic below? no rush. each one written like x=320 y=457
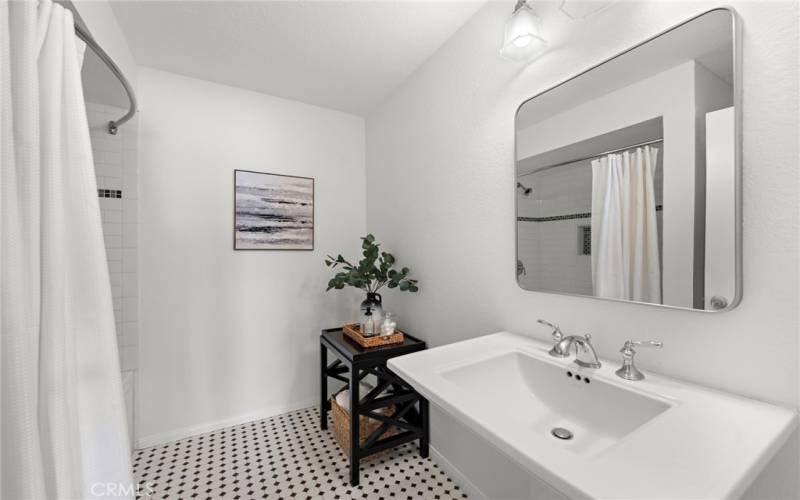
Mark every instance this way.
x=341 y=427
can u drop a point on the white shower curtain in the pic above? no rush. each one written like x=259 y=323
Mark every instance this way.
x=63 y=422
x=625 y=255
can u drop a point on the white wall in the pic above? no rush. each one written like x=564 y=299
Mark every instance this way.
x=454 y=118
x=227 y=336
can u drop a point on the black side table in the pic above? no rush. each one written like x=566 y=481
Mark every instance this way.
x=412 y=423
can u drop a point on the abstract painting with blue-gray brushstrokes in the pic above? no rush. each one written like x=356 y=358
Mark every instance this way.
x=273 y=212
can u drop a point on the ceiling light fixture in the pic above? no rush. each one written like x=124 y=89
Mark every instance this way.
x=523 y=39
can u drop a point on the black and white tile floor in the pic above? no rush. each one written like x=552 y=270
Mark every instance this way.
x=287 y=456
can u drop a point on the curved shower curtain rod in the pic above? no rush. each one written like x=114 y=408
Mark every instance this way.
x=83 y=33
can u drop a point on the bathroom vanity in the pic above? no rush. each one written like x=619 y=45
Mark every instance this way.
x=589 y=433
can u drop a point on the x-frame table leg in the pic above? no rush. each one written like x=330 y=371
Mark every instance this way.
x=355 y=418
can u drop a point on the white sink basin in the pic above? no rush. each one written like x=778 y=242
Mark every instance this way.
x=656 y=438
x=541 y=396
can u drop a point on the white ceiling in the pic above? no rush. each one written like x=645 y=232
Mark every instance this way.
x=342 y=55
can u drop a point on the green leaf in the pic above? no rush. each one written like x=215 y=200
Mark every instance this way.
x=374 y=271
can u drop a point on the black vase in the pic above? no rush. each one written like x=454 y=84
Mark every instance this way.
x=373 y=303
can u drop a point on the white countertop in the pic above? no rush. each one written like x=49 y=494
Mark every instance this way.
x=707 y=444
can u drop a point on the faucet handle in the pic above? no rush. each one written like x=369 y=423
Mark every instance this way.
x=628 y=370
x=630 y=344
x=557 y=333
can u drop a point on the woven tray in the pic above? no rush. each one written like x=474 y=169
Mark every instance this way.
x=354 y=332
x=366 y=426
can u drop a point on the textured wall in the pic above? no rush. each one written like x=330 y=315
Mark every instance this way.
x=455 y=119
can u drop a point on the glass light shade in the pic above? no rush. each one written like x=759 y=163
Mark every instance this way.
x=523 y=38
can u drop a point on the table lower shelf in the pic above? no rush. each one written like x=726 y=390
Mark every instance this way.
x=410 y=416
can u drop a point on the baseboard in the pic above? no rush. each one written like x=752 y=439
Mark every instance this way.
x=456 y=475
x=184 y=432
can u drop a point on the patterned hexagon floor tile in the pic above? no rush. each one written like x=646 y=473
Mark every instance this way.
x=287 y=456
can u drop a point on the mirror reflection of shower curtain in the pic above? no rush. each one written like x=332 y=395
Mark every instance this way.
x=625 y=254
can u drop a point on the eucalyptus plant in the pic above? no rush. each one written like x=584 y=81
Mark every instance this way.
x=374 y=271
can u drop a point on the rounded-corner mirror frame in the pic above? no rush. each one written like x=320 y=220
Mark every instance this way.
x=737 y=104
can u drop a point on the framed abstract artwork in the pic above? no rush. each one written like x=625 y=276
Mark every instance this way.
x=272 y=211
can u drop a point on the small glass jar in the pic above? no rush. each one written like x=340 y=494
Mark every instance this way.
x=389 y=324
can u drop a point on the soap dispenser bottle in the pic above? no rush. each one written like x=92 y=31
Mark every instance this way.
x=368 y=324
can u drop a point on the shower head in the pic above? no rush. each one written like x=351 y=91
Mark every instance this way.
x=525 y=190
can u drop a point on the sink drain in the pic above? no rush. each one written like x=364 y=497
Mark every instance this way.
x=561 y=433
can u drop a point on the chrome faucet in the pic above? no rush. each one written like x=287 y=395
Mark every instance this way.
x=585 y=354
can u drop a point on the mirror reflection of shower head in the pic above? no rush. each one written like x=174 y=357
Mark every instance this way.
x=525 y=190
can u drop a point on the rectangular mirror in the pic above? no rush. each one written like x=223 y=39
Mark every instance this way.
x=627 y=175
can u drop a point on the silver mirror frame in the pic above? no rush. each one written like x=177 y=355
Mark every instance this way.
x=737 y=103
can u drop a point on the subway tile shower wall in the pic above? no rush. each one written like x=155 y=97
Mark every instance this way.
x=109 y=193
x=117 y=189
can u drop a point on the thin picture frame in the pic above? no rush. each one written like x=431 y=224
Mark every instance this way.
x=235 y=244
